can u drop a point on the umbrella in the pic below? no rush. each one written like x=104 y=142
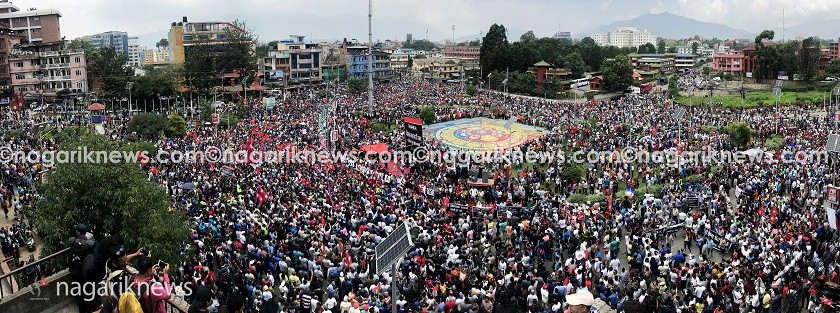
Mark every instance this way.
x=96 y=106
x=188 y=186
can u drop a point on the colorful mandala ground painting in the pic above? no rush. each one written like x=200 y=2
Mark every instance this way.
x=481 y=134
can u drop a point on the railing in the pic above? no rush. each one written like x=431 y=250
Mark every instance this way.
x=30 y=273
x=171 y=307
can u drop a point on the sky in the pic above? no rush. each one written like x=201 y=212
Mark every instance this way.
x=392 y=19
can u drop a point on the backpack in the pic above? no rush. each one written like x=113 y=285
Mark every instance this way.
x=79 y=250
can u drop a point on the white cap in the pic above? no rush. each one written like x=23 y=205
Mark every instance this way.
x=582 y=297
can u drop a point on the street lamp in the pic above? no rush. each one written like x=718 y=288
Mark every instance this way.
x=128 y=86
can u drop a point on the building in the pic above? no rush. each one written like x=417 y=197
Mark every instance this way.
x=651 y=65
x=115 y=39
x=625 y=37
x=47 y=67
x=35 y=25
x=442 y=68
x=184 y=35
x=470 y=55
x=304 y=60
x=409 y=38
x=546 y=73
x=134 y=52
x=155 y=57
x=730 y=63
x=275 y=68
x=833 y=51
x=563 y=35
x=8 y=39
x=356 y=61
x=684 y=50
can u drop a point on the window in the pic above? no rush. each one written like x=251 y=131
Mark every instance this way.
x=18 y=64
x=20 y=76
x=36 y=18
x=78 y=72
x=79 y=85
x=78 y=60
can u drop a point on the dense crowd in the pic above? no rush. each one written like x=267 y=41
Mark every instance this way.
x=731 y=237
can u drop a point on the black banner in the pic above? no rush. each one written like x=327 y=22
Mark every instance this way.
x=413 y=132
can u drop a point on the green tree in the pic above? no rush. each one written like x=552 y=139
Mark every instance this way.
x=574 y=62
x=421 y=44
x=672 y=50
x=528 y=36
x=356 y=85
x=410 y=63
x=618 y=74
x=263 y=49
x=739 y=133
x=694 y=47
x=176 y=127
x=108 y=197
x=572 y=172
x=494 y=49
x=154 y=85
x=427 y=114
x=199 y=72
x=163 y=43
x=470 y=90
x=647 y=48
x=238 y=54
x=764 y=55
x=592 y=54
x=660 y=46
x=833 y=68
x=108 y=67
x=148 y=126
x=809 y=57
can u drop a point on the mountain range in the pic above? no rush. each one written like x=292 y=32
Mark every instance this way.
x=668 y=25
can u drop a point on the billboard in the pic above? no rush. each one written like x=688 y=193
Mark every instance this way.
x=274 y=76
x=413 y=132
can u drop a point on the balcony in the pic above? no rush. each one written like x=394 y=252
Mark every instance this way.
x=298 y=51
x=56 y=65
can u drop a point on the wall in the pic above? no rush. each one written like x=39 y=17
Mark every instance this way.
x=38 y=300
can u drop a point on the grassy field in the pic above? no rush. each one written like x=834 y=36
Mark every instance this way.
x=756 y=99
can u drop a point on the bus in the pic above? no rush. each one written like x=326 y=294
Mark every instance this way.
x=580 y=82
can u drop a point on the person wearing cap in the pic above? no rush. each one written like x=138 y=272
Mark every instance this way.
x=201 y=302
x=580 y=302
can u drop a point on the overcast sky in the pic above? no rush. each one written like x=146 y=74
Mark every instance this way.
x=329 y=19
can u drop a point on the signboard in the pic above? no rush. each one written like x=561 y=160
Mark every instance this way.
x=832 y=194
x=5 y=101
x=393 y=248
x=413 y=132
x=692 y=202
x=832 y=217
x=215 y=118
x=334 y=135
x=275 y=76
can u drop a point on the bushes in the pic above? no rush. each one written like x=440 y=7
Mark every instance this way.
x=774 y=143
x=148 y=126
x=470 y=90
x=379 y=127
x=739 y=133
x=581 y=198
x=427 y=114
x=13 y=133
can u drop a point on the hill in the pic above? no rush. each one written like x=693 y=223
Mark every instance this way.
x=672 y=26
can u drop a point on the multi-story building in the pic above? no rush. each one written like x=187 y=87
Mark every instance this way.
x=134 y=51
x=563 y=35
x=469 y=55
x=833 y=51
x=625 y=37
x=115 y=39
x=684 y=50
x=730 y=63
x=155 y=57
x=545 y=73
x=48 y=67
x=668 y=62
x=8 y=39
x=356 y=60
x=442 y=68
x=35 y=25
x=185 y=35
x=650 y=65
x=275 y=68
x=304 y=60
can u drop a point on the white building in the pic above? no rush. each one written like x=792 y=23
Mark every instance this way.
x=624 y=37
x=684 y=50
x=134 y=52
x=155 y=57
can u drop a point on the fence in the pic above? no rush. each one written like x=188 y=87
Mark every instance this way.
x=30 y=273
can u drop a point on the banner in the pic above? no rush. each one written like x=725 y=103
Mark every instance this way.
x=413 y=132
x=832 y=218
x=832 y=194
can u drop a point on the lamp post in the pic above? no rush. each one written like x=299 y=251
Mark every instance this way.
x=128 y=86
x=836 y=97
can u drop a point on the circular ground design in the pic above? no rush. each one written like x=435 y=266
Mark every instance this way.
x=481 y=134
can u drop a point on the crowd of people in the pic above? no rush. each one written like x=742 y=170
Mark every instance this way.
x=293 y=237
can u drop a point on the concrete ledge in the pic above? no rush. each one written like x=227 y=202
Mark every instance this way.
x=36 y=298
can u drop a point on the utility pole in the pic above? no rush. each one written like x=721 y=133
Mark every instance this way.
x=370 y=57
